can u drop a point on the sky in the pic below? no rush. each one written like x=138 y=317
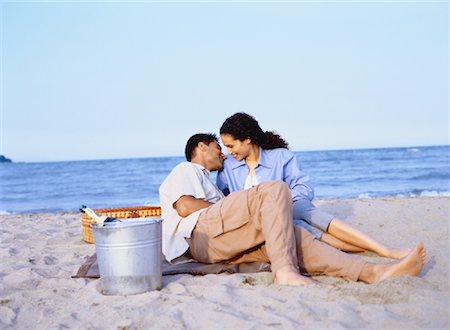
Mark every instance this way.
x=106 y=80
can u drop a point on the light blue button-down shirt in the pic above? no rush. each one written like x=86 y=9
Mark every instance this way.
x=276 y=164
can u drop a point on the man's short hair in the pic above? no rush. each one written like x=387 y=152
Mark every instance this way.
x=194 y=140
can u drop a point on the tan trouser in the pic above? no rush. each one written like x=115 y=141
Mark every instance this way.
x=256 y=225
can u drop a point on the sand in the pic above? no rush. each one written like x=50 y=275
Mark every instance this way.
x=40 y=253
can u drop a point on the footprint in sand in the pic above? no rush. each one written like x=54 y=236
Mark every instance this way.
x=7 y=315
x=176 y=288
x=49 y=260
x=18 y=277
x=22 y=237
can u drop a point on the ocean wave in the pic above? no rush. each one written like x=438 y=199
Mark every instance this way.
x=431 y=193
x=2 y=212
x=444 y=175
x=365 y=195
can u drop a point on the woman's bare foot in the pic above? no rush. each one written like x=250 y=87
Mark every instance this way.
x=411 y=264
x=348 y=234
x=287 y=275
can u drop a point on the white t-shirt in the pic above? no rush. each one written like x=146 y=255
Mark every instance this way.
x=186 y=179
x=250 y=181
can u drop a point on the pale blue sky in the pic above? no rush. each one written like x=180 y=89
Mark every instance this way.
x=119 y=80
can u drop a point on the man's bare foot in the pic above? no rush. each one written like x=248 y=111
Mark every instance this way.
x=423 y=255
x=411 y=264
x=288 y=275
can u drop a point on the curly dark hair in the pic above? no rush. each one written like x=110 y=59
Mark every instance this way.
x=243 y=126
x=194 y=140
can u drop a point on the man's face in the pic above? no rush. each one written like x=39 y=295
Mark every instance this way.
x=214 y=157
x=236 y=148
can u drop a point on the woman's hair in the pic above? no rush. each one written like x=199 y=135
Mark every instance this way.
x=243 y=126
x=194 y=140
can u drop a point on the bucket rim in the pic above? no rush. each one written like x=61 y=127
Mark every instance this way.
x=130 y=222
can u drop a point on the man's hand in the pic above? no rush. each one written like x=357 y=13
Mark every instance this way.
x=187 y=205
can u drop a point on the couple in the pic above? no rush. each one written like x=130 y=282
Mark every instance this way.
x=256 y=224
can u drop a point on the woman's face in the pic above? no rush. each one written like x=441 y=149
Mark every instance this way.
x=236 y=148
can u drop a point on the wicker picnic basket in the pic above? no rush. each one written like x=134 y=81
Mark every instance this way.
x=119 y=213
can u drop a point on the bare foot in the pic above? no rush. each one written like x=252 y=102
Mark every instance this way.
x=409 y=265
x=287 y=275
x=423 y=255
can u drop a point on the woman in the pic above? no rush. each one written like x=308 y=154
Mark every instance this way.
x=256 y=156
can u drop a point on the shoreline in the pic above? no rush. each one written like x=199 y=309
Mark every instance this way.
x=41 y=251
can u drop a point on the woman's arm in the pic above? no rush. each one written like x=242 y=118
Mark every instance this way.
x=297 y=180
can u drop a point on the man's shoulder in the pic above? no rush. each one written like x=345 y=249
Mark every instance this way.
x=183 y=165
x=186 y=167
x=181 y=170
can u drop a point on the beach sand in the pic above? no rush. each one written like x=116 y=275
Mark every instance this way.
x=40 y=253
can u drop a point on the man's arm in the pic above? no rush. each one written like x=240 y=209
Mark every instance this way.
x=187 y=205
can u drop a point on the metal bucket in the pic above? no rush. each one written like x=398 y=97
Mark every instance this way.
x=129 y=255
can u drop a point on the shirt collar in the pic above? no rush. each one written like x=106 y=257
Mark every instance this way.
x=202 y=168
x=235 y=163
x=263 y=160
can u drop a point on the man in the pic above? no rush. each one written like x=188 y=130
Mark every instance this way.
x=253 y=225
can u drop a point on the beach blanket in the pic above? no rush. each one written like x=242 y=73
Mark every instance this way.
x=89 y=269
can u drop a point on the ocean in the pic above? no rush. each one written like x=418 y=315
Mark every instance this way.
x=359 y=173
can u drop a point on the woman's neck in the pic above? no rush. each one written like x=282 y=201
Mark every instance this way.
x=252 y=159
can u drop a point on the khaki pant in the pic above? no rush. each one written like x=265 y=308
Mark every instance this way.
x=256 y=225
